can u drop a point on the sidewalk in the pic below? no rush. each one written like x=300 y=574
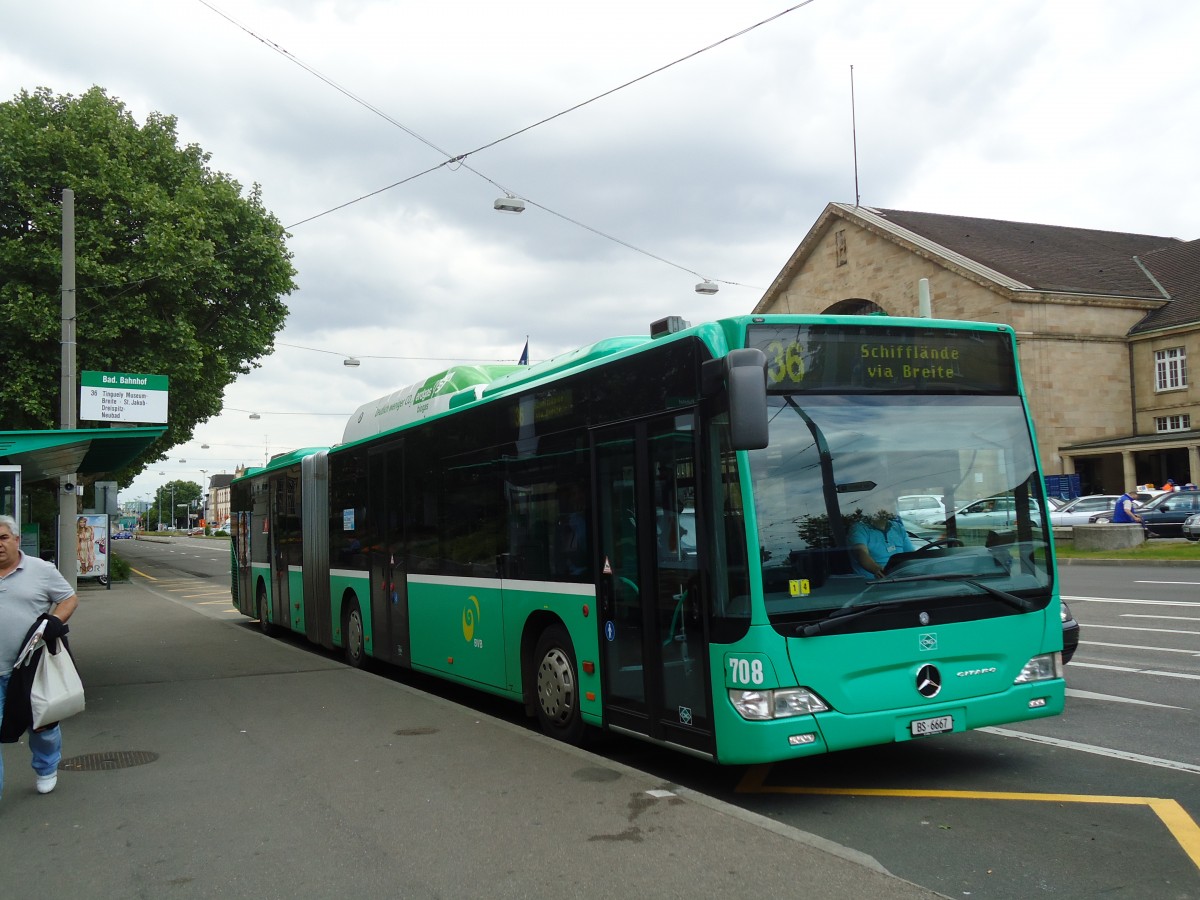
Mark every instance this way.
x=212 y=761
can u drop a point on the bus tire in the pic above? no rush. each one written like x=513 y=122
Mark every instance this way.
x=264 y=623
x=352 y=636
x=555 y=678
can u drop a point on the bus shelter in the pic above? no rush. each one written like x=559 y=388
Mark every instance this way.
x=31 y=458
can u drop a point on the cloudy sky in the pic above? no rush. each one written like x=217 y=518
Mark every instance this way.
x=1069 y=113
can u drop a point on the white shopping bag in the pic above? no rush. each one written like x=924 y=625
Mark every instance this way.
x=57 y=692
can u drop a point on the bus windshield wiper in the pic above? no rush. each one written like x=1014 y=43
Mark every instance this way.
x=1018 y=603
x=839 y=617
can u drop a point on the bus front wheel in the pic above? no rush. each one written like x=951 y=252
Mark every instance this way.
x=352 y=632
x=556 y=680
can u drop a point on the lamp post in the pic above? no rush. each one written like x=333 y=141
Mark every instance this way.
x=159 y=492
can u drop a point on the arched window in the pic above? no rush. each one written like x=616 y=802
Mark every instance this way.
x=855 y=306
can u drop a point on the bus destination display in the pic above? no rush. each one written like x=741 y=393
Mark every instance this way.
x=885 y=360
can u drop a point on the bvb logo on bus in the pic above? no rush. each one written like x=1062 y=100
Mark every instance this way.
x=470 y=617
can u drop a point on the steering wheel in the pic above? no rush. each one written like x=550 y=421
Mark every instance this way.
x=941 y=542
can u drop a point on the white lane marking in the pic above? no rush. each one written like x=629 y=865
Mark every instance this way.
x=1098 y=751
x=1083 y=665
x=1091 y=695
x=1137 y=628
x=1186 y=603
x=1135 y=647
x=1167 y=582
x=1168 y=618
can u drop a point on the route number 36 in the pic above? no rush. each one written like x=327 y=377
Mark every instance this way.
x=786 y=362
x=745 y=671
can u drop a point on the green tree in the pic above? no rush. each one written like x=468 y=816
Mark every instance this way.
x=177 y=273
x=178 y=493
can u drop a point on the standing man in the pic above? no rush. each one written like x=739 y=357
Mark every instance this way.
x=29 y=589
x=1125 y=512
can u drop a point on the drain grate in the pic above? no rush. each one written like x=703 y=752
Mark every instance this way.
x=103 y=762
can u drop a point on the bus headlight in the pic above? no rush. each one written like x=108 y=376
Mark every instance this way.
x=782 y=703
x=1041 y=668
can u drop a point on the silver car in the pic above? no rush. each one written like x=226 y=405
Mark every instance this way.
x=1079 y=510
x=1191 y=527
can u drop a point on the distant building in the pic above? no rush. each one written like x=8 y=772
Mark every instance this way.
x=1105 y=322
x=217 y=509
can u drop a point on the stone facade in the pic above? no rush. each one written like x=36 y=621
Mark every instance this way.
x=1087 y=378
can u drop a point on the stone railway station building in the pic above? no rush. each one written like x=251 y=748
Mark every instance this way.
x=1105 y=323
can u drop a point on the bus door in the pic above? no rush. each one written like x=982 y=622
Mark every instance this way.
x=654 y=656
x=286 y=549
x=389 y=582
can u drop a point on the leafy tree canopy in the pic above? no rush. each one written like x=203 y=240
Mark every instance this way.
x=174 y=492
x=177 y=273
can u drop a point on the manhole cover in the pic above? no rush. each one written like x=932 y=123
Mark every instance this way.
x=102 y=762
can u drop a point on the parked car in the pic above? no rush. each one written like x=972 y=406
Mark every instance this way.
x=1070 y=633
x=988 y=512
x=1165 y=514
x=918 y=509
x=1081 y=509
x=1191 y=528
x=122 y=535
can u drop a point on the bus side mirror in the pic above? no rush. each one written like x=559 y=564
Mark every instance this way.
x=746 y=380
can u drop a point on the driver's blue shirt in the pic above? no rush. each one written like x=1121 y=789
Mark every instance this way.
x=881 y=545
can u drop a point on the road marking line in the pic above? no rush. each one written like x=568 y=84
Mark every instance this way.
x=1132 y=647
x=1167 y=582
x=1135 y=671
x=143 y=574
x=1137 y=628
x=1168 y=618
x=1182 y=826
x=1191 y=604
x=1090 y=695
x=1093 y=749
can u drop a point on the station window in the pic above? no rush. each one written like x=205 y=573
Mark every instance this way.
x=1170 y=369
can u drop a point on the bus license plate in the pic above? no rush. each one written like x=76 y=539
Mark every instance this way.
x=924 y=727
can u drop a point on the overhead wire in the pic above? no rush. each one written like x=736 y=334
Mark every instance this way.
x=460 y=158
x=453 y=159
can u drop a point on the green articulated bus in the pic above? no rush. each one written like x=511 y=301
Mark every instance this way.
x=747 y=540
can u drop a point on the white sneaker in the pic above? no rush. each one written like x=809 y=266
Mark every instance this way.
x=46 y=783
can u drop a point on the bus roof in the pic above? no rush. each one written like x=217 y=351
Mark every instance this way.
x=280 y=461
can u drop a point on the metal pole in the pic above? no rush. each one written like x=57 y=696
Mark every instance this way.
x=68 y=507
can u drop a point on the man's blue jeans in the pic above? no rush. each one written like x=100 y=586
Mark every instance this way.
x=46 y=746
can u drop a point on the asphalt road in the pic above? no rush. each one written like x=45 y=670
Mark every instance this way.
x=1101 y=801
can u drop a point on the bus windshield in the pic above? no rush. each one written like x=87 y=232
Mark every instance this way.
x=869 y=500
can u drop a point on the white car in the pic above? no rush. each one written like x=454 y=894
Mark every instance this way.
x=1079 y=510
x=921 y=507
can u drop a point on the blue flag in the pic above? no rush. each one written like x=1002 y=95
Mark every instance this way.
x=524 y=360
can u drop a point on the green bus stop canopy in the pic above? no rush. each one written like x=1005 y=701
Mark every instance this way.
x=85 y=451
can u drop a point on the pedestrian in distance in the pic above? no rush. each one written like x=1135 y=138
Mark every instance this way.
x=1125 y=510
x=31 y=589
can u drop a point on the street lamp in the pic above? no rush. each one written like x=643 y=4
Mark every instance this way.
x=159 y=492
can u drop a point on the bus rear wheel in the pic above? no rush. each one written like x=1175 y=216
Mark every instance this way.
x=264 y=624
x=556 y=680
x=352 y=633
